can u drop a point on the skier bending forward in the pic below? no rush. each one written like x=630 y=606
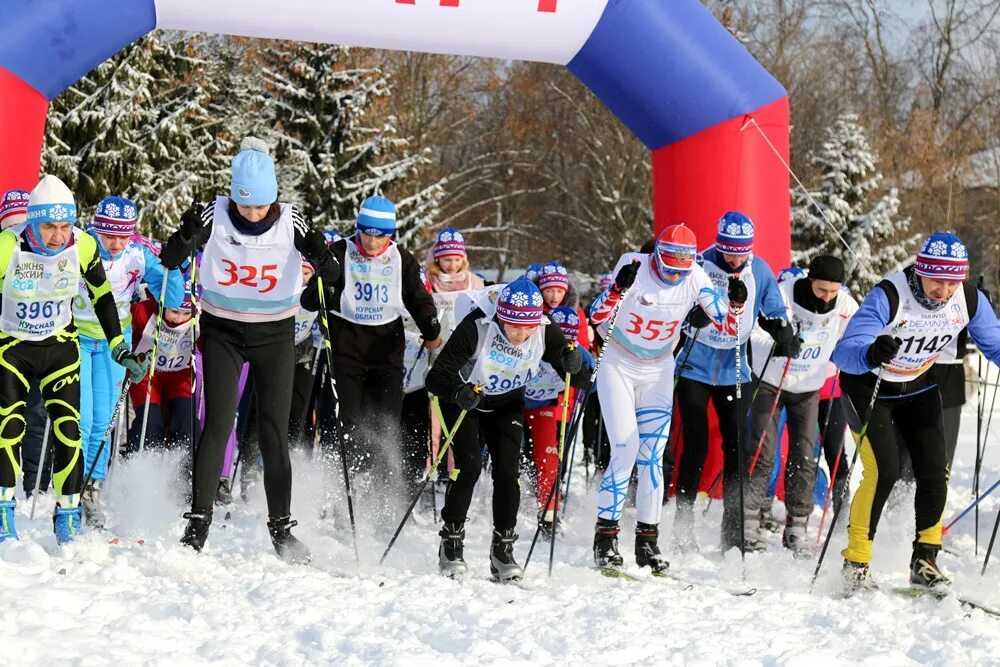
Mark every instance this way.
x=636 y=382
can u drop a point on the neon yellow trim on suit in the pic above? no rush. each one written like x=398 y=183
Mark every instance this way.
x=859 y=547
x=8 y=414
x=4 y=364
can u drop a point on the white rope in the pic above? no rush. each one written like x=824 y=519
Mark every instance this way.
x=812 y=200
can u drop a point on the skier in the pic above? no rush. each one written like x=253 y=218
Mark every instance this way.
x=636 y=379
x=903 y=325
x=792 y=382
x=379 y=281
x=128 y=262
x=171 y=399
x=42 y=266
x=481 y=372
x=710 y=372
x=543 y=416
x=250 y=278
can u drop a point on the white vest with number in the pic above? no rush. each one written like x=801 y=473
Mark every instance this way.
x=38 y=292
x=250 y=278
x=649 y=318
x=416 y=364
x=305 y=320
x=500 y=365
x=125 y=275
x=545 y=385
x=925 y=334
x=819 y=332
x=720 y=280
x=373 y=286
x=173 y=353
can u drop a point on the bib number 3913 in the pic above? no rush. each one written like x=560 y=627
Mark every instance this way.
x=651 y=329
x=251 y=276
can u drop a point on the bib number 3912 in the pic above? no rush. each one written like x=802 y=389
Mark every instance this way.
x=251 y=276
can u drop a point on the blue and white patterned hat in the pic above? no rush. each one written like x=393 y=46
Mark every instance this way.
x=116 y=216
x=533 y=271
x=943 y=257
x=450 y=243
x=791 y=273
x=553 y=274
x=735 y=235
x=568 y=320
x=520 y=304
x=331 y=236
x=377 y=217
x=13 y=208
x=604 y=281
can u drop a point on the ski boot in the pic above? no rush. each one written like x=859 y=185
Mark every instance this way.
x=924 y=571
x=549 y=524
x=606 y=554
x=196 y=531
x=684 y=539
x=288 y=547
x=7 y=529
x=753 y=534
x=451 y=562
x=767 y=521
x=646 y=550
x=90 y=499
x=224 y=494
x=794 y=537
x=503 y=567
x=66 y=523
x=856 y=577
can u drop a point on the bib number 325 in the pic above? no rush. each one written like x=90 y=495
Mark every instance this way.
x=251 y=276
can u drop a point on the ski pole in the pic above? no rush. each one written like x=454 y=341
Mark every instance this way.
x=850 y=470
x=107 y=433
x=770 y=416
x=152 y=366
x=767 y=362
x=687 y=353
x=41 y=466
x=577 y=415
x=975 y=503
x=449 y=437
x=308 y=401
x=559 y=469
x=343 y=443
x=982 y=451
x=416 y=361
x=989 y=549
x=740 y=423
x=836 y=461
x=196 y=386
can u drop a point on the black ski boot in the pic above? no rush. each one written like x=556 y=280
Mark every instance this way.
x=224 y=494
x=90 y=499
x=856 y=577
x=606 y=554
x=646 y=550
x=288 y=547
x=794 y=537
x=451 y=560
x=196 y=531
x=503 y=567
x=924 y=571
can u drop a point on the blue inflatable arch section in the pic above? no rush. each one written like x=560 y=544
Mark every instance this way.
x=716 y=121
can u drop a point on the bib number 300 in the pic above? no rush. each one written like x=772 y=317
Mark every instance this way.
x=251 y=276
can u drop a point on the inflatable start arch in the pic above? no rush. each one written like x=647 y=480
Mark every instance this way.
x=666 y=68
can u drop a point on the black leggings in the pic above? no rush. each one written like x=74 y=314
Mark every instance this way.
x=269 y=349
x=502 y=429
x=55 y=362
x=916 y=420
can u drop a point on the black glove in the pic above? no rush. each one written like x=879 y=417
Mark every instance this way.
x=572 y=360
x=698 y=318
x=191 y=221
x=790 y=348
x=883 y=350
x=737 y=291
x=467 y=398
x=626 y=276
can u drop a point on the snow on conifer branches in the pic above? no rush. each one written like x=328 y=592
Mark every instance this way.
x=846 y=207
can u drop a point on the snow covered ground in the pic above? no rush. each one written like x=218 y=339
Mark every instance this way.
x=94 y=603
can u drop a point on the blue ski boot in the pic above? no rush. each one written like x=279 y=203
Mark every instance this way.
x=67 y=523
x=7 y=529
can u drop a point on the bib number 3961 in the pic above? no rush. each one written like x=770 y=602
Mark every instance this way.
x=39 y=309
x=251 y=276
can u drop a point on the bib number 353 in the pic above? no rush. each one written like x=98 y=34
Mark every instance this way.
x=650 y=329
x=251 y=276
